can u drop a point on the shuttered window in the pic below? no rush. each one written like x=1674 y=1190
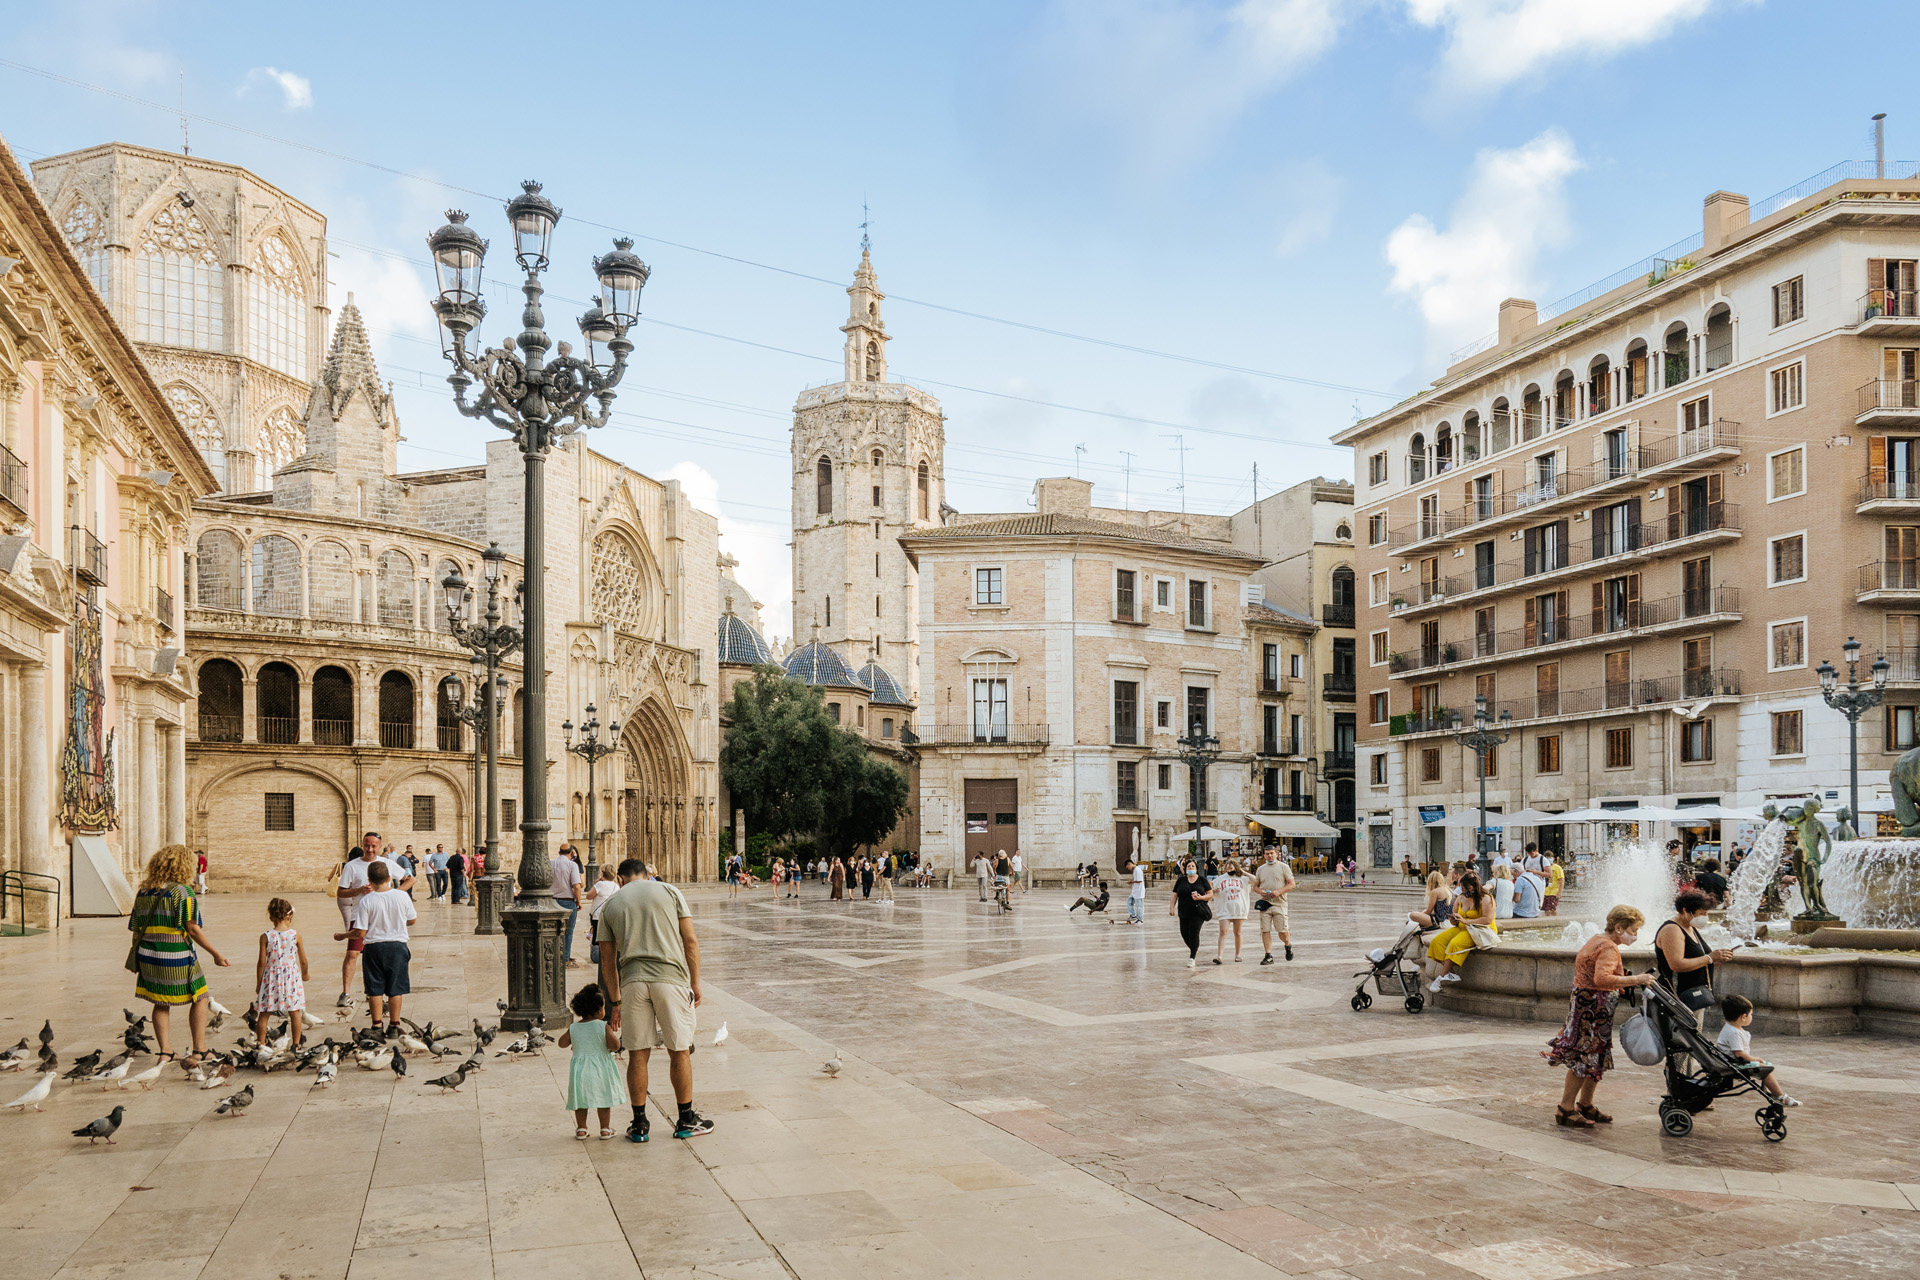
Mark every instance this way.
x=1696 y=741
x=1547 y=753
x=1546 y=689
x=1787 y=473
x=1619 y=748
x=1789 y=301
x=1430 y=764
x=1787 y=645
x=1787 y=388
x=1786 y=734
x=1789 y=559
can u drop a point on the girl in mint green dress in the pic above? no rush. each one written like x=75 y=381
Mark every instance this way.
x=595 y=1082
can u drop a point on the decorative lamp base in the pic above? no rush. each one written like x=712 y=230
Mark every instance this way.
x=536 y=973
x=492 y=893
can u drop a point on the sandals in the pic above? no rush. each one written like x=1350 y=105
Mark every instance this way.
x=606 y=1135
x=1595 y=1114
x=579 y=1135
x=1571 y=1118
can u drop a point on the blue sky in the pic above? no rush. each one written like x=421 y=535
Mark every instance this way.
x=1285 y=192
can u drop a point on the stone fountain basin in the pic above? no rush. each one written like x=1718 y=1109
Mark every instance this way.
x=1796 y=994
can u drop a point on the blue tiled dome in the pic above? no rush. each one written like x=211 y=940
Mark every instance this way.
x=817 y=665
x=741 y=643
x=883 y=686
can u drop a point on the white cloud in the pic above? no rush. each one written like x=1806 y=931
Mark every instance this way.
x=296 y=90
x=1514 y=207
x=766 y=564
x=1493 y=43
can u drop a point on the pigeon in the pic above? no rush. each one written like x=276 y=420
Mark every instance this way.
x=146 y=1078
x=109 y=1075
x=136 y=1041
x=218 y=1076
x=476 y=1063
x=832 y=1065
x=34 y=1096
x=483 y=1036
x=83 y=1066
x=104 y=1127
x=235 y=1103
x=720 y=1036
x=15 y=1058
x=328 y=1070
x=376 y=1059
x=501 y=1005
x=399 y=1065
x=132 y=1021
x=514 y=1049
x=411 y=1044
x=453 y=1081
x=312 y=1018
x=46 y=1035
x=220 y=1013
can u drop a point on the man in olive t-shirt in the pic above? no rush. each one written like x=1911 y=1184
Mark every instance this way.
x=1273 y=880
x=651 y=959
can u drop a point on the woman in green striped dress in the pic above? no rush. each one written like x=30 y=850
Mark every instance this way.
x=166 y=926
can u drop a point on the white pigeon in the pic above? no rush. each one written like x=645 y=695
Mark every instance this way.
x=146 y=1078
x=325 y=1075
x=378 y=1060
x=218 y=1076
x=720 y=1036
x=312 y=1018
x=412 y=1043
x=110 y=1074
x=33 y=1096
x=832 y=1065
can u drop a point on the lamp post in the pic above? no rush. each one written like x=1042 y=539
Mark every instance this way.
x=593 y=751
x=1199 y=750
x=1853 y=702
x=1482 y=739
x=537 y=401
x=488 y=639
x=471 y=715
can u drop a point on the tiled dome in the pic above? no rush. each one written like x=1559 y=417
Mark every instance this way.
x=883 y=686
x=741 y=643
x=817 y=665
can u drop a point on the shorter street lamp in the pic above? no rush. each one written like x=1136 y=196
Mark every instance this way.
x=1199 y=750
x=1853 y=702
x=591 y=749
x=488 y=640
x=1481 y=740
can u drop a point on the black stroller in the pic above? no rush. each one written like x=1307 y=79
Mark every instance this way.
x=1393 y=965
x=1698 y=1070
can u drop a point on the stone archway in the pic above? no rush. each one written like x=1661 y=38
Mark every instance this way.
x=656 y=803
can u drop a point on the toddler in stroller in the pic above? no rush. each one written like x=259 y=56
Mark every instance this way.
x=1398 y=965
x=1699 y=1070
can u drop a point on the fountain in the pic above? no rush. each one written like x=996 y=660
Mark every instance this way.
x=1751 y=878
x=1875 y=884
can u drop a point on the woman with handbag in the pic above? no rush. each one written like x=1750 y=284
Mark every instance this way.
x=1683 y=958
x=1473 y=927
x=1585 y=1044
x=1191 y=893
x=165 y=923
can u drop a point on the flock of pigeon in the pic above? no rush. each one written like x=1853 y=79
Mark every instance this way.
x=370 y=1048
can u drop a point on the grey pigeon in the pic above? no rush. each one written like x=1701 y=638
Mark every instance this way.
x=15 y=1058
x=83 y=1066
x=453 y=1082
x=104 y=1127
x=483 y=1036
x=235 y=1104
x=399 y=1064
x=46 y=1034
x=328 y=1071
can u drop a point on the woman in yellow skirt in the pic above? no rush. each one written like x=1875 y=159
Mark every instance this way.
x=1452 y=945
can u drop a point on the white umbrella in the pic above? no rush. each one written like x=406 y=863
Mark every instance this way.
x=1537 y=818
x=1701 y=813
x=1205 y=833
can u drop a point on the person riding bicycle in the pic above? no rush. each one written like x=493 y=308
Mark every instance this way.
x=1002 y=876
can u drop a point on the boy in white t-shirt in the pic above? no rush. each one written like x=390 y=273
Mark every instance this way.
x=380 y=920
x=1137 y=894
x=1738 y=1042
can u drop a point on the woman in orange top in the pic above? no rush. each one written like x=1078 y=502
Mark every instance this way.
x=1585 y=1044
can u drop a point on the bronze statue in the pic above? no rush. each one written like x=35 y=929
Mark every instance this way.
x=1810 y=854
x=1843 y=824
x=1905 y=777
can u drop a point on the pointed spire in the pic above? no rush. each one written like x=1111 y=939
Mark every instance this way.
x=350 y=364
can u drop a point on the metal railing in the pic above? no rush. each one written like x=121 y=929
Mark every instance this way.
x=1681 y=445
x=219 y=595
x=1577 y=625
x=333 y=733
x=1538 y=495
x=396 y=733
x=1632 y=540
x=1336 y=615
x=1616 y=695
x=331 y=608
x=219 y=728
x=1284 y=802
x=1338 y=762
x=277 y=604
x=89 y=556
x=1890 y=575
x=1898 y=304
x=1278 y=746
x=1336 y=684
x=1882 y=485
x=163 y=607
x=968 y=734
x=15 y=886
x=279 y=731
x=1888 y=393
x=13 y=480
x=449 y=737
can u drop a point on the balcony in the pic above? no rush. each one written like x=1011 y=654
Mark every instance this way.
x=1338 y=764
x=967 y=734
x=1681 y=531
x=219 y=595
x=163 y=607
x=396 y=733
x=1337 y=686
x=1689 y=609
x=279 y=731
x=1279 y=747
x=1695 y=450
x=1890 y=492
x=1890 y=400
x=13 y=483
x=333 y=733
x=1336 y=615
x=1604 y=699
x=1893 y=581
x=89 y=556
x=1527 y=503
x=449 y=737
x=1888 y=311
x=216 y=728
x=1277 y=802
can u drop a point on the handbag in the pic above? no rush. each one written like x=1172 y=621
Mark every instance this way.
x=1203 y=911
x=1483 y=937
x=333 y=880
x=1640 y=1038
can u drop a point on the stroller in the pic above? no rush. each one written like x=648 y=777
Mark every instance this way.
x=1398 y=964
x=1698 y=1070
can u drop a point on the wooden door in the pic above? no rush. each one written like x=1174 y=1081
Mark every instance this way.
x=1126 y=844
x=1546 y=689
x=1697 y=667
x=992 y=816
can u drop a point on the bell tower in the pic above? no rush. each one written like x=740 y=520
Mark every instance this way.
x=866 y=331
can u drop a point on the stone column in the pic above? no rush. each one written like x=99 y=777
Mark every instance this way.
x=148 y=797
x=249 y=703
x=176 y=784
x=425 y=722
x=36 y=777
x=305 y=694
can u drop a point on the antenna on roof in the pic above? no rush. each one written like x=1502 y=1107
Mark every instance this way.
x=185 y=149
x=1126 y=494
x=1180 y=444
x=866 y=220
x=1078 y=450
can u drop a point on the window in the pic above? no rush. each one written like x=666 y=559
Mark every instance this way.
x=1378 y=649
x=823 y=487
x=1198 y=721
x=1903 y=728
x=1270 y=731
x=1787 y=473
x=277 y=310
x=990 y=709
x=1163 y=714
x=1787 y=645
x=1377 y=529
x=509 y=815
x=1617 y=671
x=829 y=611
x=1377 y=708
x=1696 y=741
x=1619 y=748
x=423 y=813
x=1377 y=468
x=1163 y=781
x=1789 y=301
x=1377 y=587
x=1163 y=594
x=1546 y=753
x=833 y=712
x=1787 y=385
x=876 y=606
x=859 y=716
x=279 y=810
x=1787 y=557
x=1197 y=602
x=886 y=726
x=879 y=461
x=1123 y=594
x=989 y=586
x=179 y=284
x=1544 y=548
x=1488 y=765
x=1126 y=784
x=1430 y=764
x=1126 y=712
x=1297 y=665
x=1377 y=769
x=1786 y=734
x=205 y=430
x=1270 y=666
x=925 y=494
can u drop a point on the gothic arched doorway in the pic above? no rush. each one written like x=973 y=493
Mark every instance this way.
x=657 y=806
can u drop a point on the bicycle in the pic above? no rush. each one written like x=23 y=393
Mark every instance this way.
x=1000 y=894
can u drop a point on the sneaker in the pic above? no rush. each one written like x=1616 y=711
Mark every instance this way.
x=1069 y=908
x=1289 y=951
x=1434 y=986
x=1190 y=964
x=393 y=1031
x=1787 y=1100
x=344 y=1002
x=1267 y=958
x=1449 y=977
x=693 y=1126
x=637 y=1131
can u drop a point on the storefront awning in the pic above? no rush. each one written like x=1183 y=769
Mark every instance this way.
x=1304 y=825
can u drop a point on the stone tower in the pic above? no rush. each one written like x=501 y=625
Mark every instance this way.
x=868 y=466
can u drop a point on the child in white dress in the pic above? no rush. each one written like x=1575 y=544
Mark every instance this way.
x=281 y=972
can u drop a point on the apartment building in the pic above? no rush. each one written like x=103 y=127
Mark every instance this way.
x=1606 y=522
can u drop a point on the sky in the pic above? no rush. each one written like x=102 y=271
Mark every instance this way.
x=1158 y=244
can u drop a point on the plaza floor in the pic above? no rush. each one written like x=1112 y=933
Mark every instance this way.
x=1024 y=1095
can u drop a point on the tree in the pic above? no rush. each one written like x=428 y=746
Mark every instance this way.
x=867 y=799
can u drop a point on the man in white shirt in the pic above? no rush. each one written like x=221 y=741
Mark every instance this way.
x=1137 y=893
x=1273 y=881
x=353 y=884
x=566 y=892
x=980 y=873
x=380 y=919
x=1020 y=871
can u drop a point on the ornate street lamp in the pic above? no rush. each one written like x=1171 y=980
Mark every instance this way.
x=538 y=401
x=1199 y=751
x=591 y=749
x=1481 y=740
x=488 y=639
x=1853 y=702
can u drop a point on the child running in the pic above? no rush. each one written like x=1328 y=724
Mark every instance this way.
x=281 y=973
x=594 y=1080
x=1738 y=1042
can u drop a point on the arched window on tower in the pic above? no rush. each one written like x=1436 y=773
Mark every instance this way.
x=281 y=440
x=873 y=361
x=925 y=492
x=277 y=310
x=823 y=487
x=179 y=285
x=879 y=473
x=208 y=436
x=88 y=239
